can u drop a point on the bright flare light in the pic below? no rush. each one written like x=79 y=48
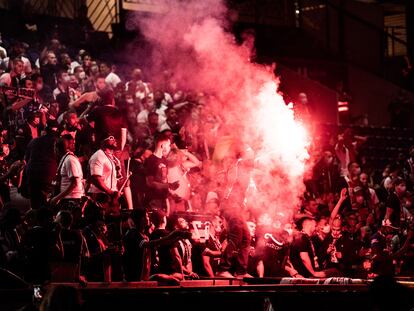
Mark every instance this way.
x=282 y=136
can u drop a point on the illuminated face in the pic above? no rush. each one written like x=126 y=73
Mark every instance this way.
x=18 y=68
x=252 y=228
x=6 y=150
x=64 y=78
x=36 y=121
x=336 y=229
x=87 y=61
x=323 y=227
x=51 y=59
x=363 y=179
x=182 y=224
x=303 y=98
x=104 y=69
x=66 y=59
x=166 y=148
x=100 y=84
x=217 y=224
x=328 y=157
x=355 y=169
x=359 y=198
x=309 y=225
x=29 y=84
x=401 y=188
x=73 y=119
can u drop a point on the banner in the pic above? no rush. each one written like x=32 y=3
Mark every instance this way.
x=153 y=6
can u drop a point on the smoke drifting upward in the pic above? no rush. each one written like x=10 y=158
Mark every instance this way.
x=191 y=39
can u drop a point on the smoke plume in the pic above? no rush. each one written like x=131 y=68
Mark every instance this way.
x=192 y=39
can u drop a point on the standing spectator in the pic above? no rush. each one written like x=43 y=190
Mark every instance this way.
x=156 y=176
x=111 y=78
x=49 y=69
x=103 y=170
x=326 y=174
x=69 y=176
x=41 y=165
x=62 y=91
x=236 y=255
x=394 y=202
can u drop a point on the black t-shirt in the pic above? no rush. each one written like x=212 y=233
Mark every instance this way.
x=108 y=120
x=137 y=257
x=274 y=252
x=301 y=244
x=38 y=244
x=72 y=245
x=41 y=158
x=163 y=262
x=346 y=247
x=394 y=203
x=157 y=168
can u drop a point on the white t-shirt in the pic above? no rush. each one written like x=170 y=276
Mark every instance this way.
x=343 y=156
x=374 y=197
x=70 y=168
x=142 y=117
x=3 y=51
x=113 y=80
x=103 y=165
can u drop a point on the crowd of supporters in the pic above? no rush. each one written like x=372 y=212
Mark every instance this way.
x=120 y=185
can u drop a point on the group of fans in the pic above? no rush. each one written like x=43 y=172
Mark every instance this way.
x=123 y=185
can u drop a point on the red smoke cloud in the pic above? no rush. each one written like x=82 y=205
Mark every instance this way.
x=191 y=39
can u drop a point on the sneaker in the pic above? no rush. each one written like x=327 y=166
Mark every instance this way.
x=224 y=274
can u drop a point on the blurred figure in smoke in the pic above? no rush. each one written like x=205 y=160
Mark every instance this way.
x=236 y=255
x=303 y=109
x=326 y=174
x=180 y=162
x=255 y=264
x=240 y=181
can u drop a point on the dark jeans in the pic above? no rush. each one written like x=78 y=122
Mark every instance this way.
x=69 y=204
x=236 y=255
x=4 y=192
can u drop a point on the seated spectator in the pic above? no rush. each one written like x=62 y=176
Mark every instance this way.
x=41 y=246
x=137 y=255
x=183 y=247
x=67 y=269
x=302 y=252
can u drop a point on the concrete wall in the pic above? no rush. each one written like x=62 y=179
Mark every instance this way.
x=322 y=99
x=371 y=95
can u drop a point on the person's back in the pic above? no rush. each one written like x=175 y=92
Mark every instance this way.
x=67 y=269
x=41 y=157
x=300 y=244
x=133 y=257
x=162 y=259
x=37 y=245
